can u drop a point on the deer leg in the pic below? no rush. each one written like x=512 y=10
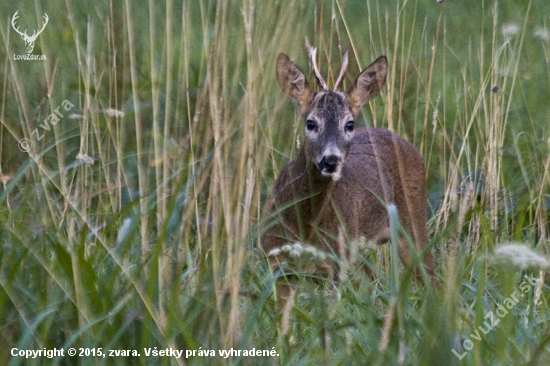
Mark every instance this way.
x=427 y=261
x=285 y=299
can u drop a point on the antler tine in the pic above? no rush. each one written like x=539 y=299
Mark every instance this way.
x=37 y=32
x=46 y=18
x=13 y=19
x=342 y=71
x=312 y=54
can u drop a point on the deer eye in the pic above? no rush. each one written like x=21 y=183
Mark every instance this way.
x=310 y=125
x=349 y=126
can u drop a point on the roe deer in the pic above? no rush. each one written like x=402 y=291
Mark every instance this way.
x=331 y=201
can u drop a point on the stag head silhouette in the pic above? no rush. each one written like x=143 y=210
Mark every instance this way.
x=29 y=40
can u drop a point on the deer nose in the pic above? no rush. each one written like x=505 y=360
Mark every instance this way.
x=330 y=163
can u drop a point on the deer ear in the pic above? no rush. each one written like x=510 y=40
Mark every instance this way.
x=293 y=82
x=368 y=84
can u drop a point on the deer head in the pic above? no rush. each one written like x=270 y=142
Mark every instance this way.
x=329 y=115
x=29 y=40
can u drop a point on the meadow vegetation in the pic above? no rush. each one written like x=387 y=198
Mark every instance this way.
x=132 y=222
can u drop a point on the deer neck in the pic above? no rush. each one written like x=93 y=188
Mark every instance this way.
x=316 y=187
x=319 y=187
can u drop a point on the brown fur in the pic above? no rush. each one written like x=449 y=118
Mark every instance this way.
x=332 y=212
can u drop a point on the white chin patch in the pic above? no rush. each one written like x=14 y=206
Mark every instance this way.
x=336 y=175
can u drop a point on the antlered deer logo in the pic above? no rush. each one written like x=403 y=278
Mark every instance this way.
x=29 y=40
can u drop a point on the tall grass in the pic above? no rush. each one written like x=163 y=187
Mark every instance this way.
x=132 y=223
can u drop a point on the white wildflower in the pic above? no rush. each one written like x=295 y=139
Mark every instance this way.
x=518 y=256
x=542 y=33
x=113 y=113
x=510 y=29
x=84 y=159
x=298 y=247
x=274 y=252
x=294 y=253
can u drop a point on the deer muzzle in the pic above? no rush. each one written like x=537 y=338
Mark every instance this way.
x=331 y=166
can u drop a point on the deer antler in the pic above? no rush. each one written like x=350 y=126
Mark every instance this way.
x=312 y=54
x=13 y=18
x=342 y=71
x=24 y=34
x=35 y=35
x=29 y=41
